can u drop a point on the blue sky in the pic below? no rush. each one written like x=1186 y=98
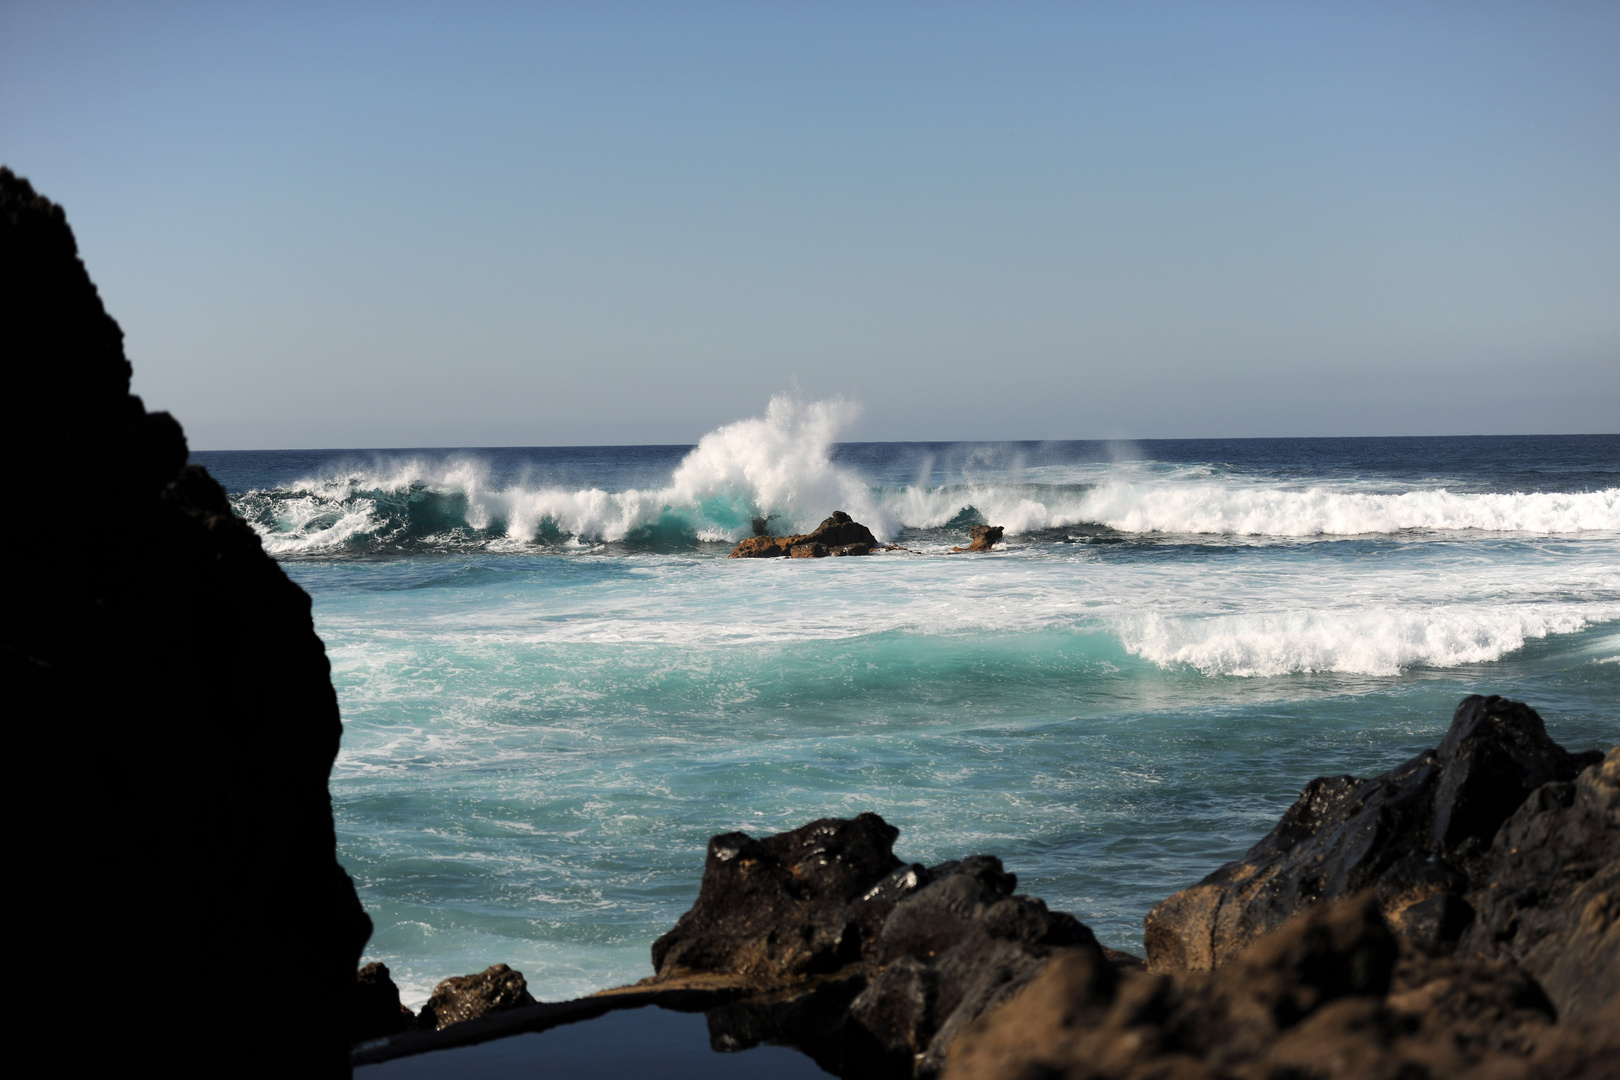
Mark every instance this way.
x=484 y=224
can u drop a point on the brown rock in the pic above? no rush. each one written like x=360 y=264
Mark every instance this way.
x=1324 y=997
x=985 y=537
x=466 y=997
x=837 y=535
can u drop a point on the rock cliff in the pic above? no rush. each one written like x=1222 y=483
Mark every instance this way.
x=174 y=718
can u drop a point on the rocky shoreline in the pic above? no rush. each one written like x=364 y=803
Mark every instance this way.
x=1456 y=916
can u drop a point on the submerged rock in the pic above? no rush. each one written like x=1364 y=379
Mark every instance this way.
x=375 y=1010
x=467 y=997
x=984 y=538
x=1415 y=834
x=150 y=642
x=837 y=535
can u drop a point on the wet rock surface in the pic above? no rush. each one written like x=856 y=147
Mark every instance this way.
x=178 y=669
x=982 y=538
x=468 y=997
x=837 y=535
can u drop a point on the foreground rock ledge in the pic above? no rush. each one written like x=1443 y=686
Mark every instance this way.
x=824 y=940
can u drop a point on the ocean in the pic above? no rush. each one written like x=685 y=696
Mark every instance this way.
x=556 y=687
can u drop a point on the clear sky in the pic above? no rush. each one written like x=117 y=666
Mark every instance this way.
x=401 y=224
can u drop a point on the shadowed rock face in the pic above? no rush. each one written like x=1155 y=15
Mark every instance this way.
x=1478 y=936
x=1331 y=996
x=869 y=965
x=1548 y=893
x=837 y=535
x=374 y=1007
x=1415 y=835
x=167 y=673
x=947 y=952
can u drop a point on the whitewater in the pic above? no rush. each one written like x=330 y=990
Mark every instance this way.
x=555 y=686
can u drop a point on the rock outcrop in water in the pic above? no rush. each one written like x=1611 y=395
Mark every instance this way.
x=984 y=538
x=1418 y=836
x=837 y=535
x=165 y=674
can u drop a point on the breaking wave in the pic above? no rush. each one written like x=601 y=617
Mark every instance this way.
x=1354 y=641
x=783 y=467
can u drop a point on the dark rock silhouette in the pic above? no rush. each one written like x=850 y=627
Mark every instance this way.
x=837 y=535
x=1415 y=834
x=156 y=654
x=947 y=952
x=375 y=1010
x=467 y=997
x=867 y=964
x=1547 y=894
x=984 y=538
x=797 y=903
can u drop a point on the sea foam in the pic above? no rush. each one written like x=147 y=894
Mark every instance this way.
x=782 y=466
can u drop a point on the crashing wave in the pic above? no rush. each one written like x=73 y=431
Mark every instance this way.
x=782 y=466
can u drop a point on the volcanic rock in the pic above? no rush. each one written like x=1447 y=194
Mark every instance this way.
x=837 y=535
x=1549 y=891
x=1330 y=995
x=984 y=537
x=1414 y=833
x=374 y=1007
x=793 y=904
x=152 y=648
x=950 y=950
x=467 y=997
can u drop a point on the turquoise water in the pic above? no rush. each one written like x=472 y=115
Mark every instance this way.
x=555 y=686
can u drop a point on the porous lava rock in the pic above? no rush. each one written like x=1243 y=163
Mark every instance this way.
x=983 y=538
x=837 y=535
x=1416 y=835
x=948 y=951
x=166 y=685
x=868 y=964
x=1333 y=995
x=375 y=1010
x=798 y=903
x=467 y=997
x=1548 y=892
